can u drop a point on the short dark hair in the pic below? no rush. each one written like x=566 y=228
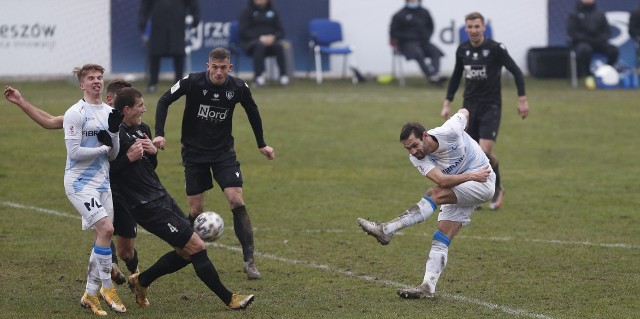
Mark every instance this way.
x=126 y=97
x=474 y=15
x=409 y=128
x=219 y=54
x=117 y=84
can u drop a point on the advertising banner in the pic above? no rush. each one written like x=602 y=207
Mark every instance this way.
x=43 y=37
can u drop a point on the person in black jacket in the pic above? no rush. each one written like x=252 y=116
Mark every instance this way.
x=589 y=33
x=634 y=32
x=133 y=173
x=167 y=33
x=481 y=59
x=410 y=31
x=260 y=32
x=207 y=144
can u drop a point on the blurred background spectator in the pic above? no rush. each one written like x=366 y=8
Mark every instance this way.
x=260 y=31
x=589 y=33
x=634 y=32
x=167 y=33
x=410 y=31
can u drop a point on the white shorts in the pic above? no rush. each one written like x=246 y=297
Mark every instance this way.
x=469 y=195
x=92 y=206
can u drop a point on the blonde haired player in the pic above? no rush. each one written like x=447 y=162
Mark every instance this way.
x=91 y=138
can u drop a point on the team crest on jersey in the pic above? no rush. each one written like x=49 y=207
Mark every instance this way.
x=474 y=56
x=215 y=96
x=204 y=92
x=229 y=95
x=467 y=53
x=485 y=53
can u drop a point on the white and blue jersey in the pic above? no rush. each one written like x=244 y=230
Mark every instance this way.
x=457 y=152
x=87 y=167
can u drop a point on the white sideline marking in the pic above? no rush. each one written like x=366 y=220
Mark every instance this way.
x=505 y=309
x=348 y=273
x=544 y=241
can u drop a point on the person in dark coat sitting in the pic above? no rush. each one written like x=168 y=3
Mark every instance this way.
x=589 y=33
x=410 y=31
x=260 y=31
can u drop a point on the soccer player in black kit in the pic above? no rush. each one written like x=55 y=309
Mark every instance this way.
x=207 y=144
x=144 y=196
x=481 y=60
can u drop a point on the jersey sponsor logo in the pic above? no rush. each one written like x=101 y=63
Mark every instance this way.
x=238 y=174
x=172 y=228
x=454 y=165
x=204 y=92
x=90 y=133
x=229 y=95
x=212 y=113
x=475 y=72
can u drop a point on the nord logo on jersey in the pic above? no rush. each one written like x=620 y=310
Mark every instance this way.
x=212 y=113
x=475 y=72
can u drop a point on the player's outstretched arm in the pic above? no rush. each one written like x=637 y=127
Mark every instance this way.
x=39 y=116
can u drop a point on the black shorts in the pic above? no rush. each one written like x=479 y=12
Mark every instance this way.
x=484 y=120
x=164 y=218
x=225 y=170
x=124 y=224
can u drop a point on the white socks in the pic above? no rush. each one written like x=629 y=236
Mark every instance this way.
x=99 y=270
x=414 y=215
x=437 y=260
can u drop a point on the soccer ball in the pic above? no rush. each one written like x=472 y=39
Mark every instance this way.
x=209 y=226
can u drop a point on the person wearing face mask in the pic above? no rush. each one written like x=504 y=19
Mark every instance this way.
x=261 y=32
x=589 y=33
x=410 y=31
x=634 y=32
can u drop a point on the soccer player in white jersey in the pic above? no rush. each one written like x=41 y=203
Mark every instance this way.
x=91 y=138
x=450 y=158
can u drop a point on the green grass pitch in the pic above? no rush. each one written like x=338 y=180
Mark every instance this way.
x=565 y=244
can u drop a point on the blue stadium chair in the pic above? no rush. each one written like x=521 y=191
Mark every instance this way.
x=234 y=47
x=323 y=34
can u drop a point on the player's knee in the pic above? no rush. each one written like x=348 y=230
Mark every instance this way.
x=126 y=254
x=437 y=194
x=195 y=244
